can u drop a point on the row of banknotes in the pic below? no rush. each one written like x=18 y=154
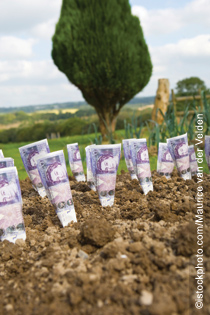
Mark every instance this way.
x=48 y=174
x=174 y=153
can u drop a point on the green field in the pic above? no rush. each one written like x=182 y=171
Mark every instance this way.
x=11 y=150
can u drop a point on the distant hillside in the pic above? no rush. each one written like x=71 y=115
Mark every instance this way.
x=143 y=100
x=34 y=108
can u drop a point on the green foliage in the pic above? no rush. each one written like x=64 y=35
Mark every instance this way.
x=85 y=112
x=134 y=128
x=14 y=117
x=154 y=133
x=181 y=106
x=100 y=47
x=30 y=118
x=189 y=86
x=98 y=138
x=170 y=126
x=38 y=125
x=38 y=131
x=71 y=126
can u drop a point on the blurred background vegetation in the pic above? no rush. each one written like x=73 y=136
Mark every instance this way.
x=78 y=122
x=20 y=126
x=81 y=125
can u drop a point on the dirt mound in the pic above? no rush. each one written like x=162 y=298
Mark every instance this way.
x=132 y=258
x=97 y=232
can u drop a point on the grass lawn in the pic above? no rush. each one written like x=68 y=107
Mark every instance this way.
x=11 y=150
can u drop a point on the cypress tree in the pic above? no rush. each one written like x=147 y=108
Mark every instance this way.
x=100 y=47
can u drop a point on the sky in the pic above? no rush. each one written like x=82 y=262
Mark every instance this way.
x=177 y=33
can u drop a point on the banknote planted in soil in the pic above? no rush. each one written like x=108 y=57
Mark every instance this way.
x=133 y=258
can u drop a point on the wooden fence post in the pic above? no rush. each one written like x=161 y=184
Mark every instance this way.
x=161 y=100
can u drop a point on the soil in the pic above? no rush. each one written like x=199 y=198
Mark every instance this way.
x=133 y=258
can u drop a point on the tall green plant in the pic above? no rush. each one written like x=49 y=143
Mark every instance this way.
x=137 y=127
x=154 y=133
x=169 y=126
x=98 y=138
x=134 y=128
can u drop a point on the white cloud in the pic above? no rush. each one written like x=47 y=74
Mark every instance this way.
x=22 y=15
x=15 y=48
x=39 y=94
x=30 y=72
x=44 y=30
x=34 y=82
x=166 y=21
x=196 y=12
x=186 y=58
x=26 y=28
x=157 y=22
x=191 y=49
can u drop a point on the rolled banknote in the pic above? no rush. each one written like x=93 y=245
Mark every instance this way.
x=93 y=157
x=165 y=163
x=6 y=162
x=105 y=161
x=30 y=153
x=90 y=178
x=193 y=160
x=139 y=153
x=207 y=150
x=133 y=153
x=132 y=144
x=11 y=218
x=128 y=160
x=1 y=154
x=53 y=173
x=178 y=147
x=75 y=162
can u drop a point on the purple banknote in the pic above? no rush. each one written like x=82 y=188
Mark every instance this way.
x=11 y=218
x=93 y=157
x=139 y=154
x=105 y=161
x=1 y=154
x=90 y=178
x=6 y=162
x=75 y=162
x=132 y=145
x=53 y=173
x=178 y=147
x=30 y=154
x=207 y=150
x=165 y=163
x=128 y=160
x=193 y=160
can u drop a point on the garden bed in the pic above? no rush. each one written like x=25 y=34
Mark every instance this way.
x=133 y=258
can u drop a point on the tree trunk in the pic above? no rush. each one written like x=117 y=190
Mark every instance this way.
x=161 y=100
x=107 y=123
x=113 y=124
x=103 y=128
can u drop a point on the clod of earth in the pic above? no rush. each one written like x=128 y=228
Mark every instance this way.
x=132 y=258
